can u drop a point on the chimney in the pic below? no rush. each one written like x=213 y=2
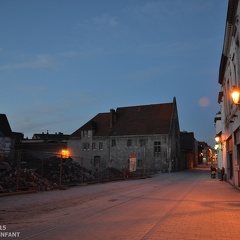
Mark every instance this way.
x=112 y=117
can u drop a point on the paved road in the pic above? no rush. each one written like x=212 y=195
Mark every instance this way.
x=183 y=205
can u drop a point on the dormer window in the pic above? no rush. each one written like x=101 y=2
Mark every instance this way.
x=86 y=133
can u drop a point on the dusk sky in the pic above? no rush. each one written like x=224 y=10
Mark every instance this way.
x=64 y=61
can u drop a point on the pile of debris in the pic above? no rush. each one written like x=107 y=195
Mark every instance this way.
x=58 y=170
x=111 y=174
x=14 y=179
x=50 y=173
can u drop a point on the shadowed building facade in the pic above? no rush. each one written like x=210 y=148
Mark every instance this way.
x=149 y=134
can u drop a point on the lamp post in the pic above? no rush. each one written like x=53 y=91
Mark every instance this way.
x=60 y=171
x=64 y=154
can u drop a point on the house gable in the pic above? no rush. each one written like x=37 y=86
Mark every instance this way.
x=5 y=129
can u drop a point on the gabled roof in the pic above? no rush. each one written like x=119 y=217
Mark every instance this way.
x=5 y=129
x=100 y=124
x=143 y=120
x=134 y=120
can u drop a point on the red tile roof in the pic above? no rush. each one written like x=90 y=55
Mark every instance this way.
x=134 y=120
x=143 y=120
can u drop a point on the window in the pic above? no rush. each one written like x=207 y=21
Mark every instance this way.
x=93 y=146
x=86 y=133
x=157 y=149
x=129 y=142
x=86 y=146
x=100 y=146
x=142 y=142
x=139 y=163
x=113 y=142
x=96 y=160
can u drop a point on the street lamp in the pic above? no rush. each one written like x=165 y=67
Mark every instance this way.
x=217 y=138
x=218 y=146
x=65 y=153
x=236 y=95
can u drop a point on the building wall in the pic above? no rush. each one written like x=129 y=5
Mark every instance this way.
x=6 y=148
x=143 y=148
x=83 y=151
x=230 y=114
x=116 y=152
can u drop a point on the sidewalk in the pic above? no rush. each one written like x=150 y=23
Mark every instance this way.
x=210 y=211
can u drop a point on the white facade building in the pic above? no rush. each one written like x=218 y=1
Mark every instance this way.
x=227 y=121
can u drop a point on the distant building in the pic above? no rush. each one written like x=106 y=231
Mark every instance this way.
x=43 y=145
x=8 y=139
x=189 y=150
x=146 y=134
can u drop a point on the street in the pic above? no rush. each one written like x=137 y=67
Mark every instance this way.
x=182 y=205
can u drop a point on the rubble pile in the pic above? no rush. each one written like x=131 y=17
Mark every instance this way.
x=50 y=168
x=12 y=179
x=48 y=174
x=110 y=174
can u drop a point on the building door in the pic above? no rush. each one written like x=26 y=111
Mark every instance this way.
x=96 y=161
x=238 y=163
x=230 y=159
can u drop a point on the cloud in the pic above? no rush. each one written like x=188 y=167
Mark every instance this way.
x=40 y=61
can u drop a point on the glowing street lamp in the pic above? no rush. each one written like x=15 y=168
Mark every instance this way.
x=219 y=145
x=65 y=153
x=217 y=138
x=236 y=95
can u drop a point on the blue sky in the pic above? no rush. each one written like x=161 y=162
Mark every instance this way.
x=64 y=61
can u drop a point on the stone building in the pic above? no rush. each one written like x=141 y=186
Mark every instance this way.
x=135 y=138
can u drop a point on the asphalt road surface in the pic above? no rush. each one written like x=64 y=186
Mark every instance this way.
x=182 y=205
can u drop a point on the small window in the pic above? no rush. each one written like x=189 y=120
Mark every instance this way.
x=89 y=133
x=93 y=146
x=129 y=142
x=100 y=146
x=139 y=163
x=157 y=149
x=113 y=142
x=86 y=146
x=142 y=142
x=97 y=160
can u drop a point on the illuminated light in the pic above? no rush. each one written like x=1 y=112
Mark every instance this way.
x=217 y=138
x=235 y=95
x=216 y=147
x=65 y=153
